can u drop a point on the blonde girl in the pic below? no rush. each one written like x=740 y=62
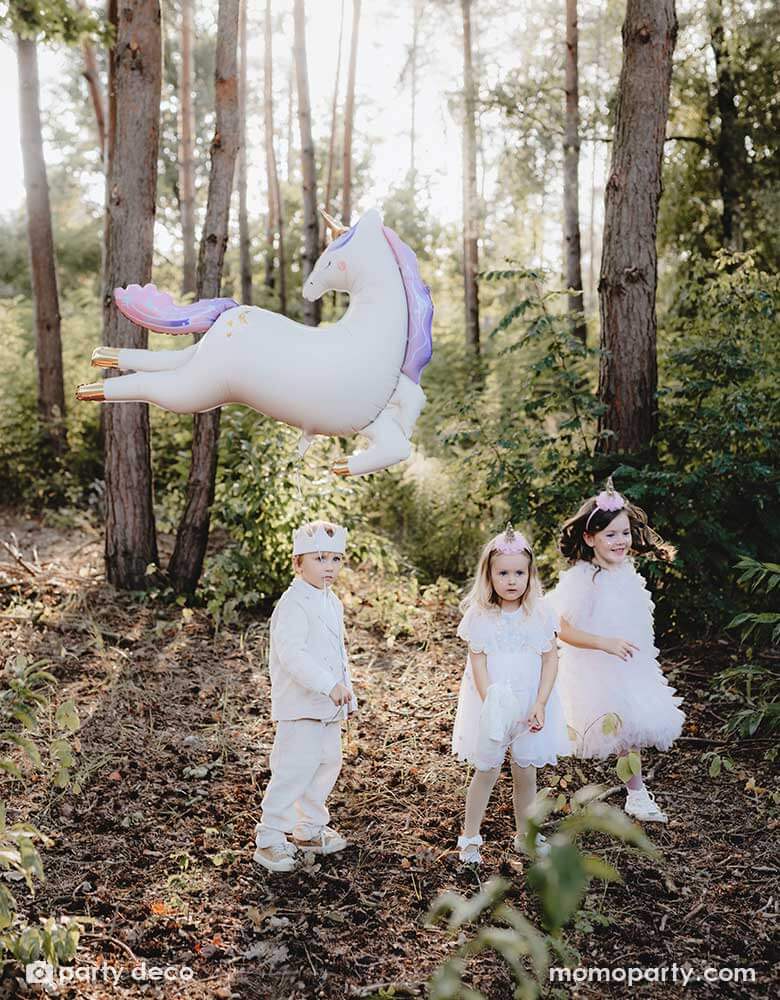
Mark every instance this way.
x=507 y=696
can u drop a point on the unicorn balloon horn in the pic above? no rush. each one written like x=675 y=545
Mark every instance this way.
x=336 y=228
x=359 y=376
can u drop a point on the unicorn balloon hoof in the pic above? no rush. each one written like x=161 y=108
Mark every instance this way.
x=359 y=376
x=105 y=357
x=91 y=391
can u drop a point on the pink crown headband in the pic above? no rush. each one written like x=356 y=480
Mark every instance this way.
x=510 y=542
x=609 y=499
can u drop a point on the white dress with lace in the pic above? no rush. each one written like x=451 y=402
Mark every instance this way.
x=513 y=643
x=595 y=686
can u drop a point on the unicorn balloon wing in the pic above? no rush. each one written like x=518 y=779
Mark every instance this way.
x=154 y=310
x=359 y=376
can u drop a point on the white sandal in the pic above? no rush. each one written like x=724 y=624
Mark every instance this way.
x=542 y=847
x=468 y=850
x=641 y=804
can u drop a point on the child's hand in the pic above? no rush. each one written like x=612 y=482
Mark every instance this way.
x=536 y=718
x=620 y=647
x=340 y=694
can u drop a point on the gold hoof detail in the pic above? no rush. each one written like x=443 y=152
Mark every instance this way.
x=91 y=390
x=341 y=468
x=105 y=357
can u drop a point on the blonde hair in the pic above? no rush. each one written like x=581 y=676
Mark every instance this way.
x=482 y=593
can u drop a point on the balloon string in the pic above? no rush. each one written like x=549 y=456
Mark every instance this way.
x=325 y=594
x=298 y=480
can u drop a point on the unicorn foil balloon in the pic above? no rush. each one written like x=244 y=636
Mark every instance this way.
x=359 y=376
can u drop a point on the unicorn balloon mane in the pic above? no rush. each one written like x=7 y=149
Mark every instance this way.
x=359 y=376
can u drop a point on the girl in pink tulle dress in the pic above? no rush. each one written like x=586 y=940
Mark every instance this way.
x=615 y=696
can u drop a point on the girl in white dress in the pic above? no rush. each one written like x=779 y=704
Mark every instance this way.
x=615 y=697
x=507 y=695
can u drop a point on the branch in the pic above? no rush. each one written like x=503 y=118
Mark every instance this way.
x=689 y=138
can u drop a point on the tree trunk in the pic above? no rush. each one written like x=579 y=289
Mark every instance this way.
x=275 y=213
x=187 y=152
x=48 y=343
x=349 y=118
x=333 y=121
x=245 y=246
x=92 y=76
x=571 y=183
x=192 y=537
x=470 y=206
x=730 y=146
x=629 y=273
x=311 y=241
x=290 y=167
x=268 y=110
x=135 y=72
x=417 y=14
x=594 y=148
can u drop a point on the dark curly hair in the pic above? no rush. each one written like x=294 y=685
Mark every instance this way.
x=644 y=540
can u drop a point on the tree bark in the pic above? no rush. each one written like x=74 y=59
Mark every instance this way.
x=334 y=122
x=275 y=212
x=290 y=165
x=417 y=14
x=349 y=118
x=571 y=183
x=629 y=273
x=192 y=537
x=311 y=312
x=730 y=145
x=245 y=246
x=187 y=152
x=470 y=203
x=268 y=110
x=48 y=342
x=135 y=72
x=92 y=76
x=594 y=147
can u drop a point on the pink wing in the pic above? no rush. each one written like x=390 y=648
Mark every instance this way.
x=147 y=307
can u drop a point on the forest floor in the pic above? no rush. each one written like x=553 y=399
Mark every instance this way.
x=157 y=847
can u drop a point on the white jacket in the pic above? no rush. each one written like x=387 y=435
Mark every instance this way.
x=307 y=656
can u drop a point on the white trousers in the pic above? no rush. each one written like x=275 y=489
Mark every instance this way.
x=305 y=763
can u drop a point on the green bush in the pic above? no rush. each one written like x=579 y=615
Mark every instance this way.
x=261 y=495
x=559 y=882
x=30 y=476
x=528 y=431
x=24 y=693
x=753 y=688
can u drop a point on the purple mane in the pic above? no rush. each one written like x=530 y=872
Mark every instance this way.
x=419 y=342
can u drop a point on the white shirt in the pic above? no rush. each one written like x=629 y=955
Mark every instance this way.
x=307 y=656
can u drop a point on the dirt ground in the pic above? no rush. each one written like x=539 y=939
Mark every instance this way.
x=157 y=847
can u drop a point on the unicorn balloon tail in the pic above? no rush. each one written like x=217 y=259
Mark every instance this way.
x=359 y=376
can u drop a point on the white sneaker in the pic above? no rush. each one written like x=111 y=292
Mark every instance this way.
x=327 y=841
x=542 y=847
x=468 y=850
x=641 y=804
x=276 y=857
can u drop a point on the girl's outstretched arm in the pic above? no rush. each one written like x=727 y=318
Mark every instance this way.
x=586 y=640
x=479 y=672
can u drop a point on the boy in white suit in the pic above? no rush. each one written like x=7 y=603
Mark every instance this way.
x=311 y=693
